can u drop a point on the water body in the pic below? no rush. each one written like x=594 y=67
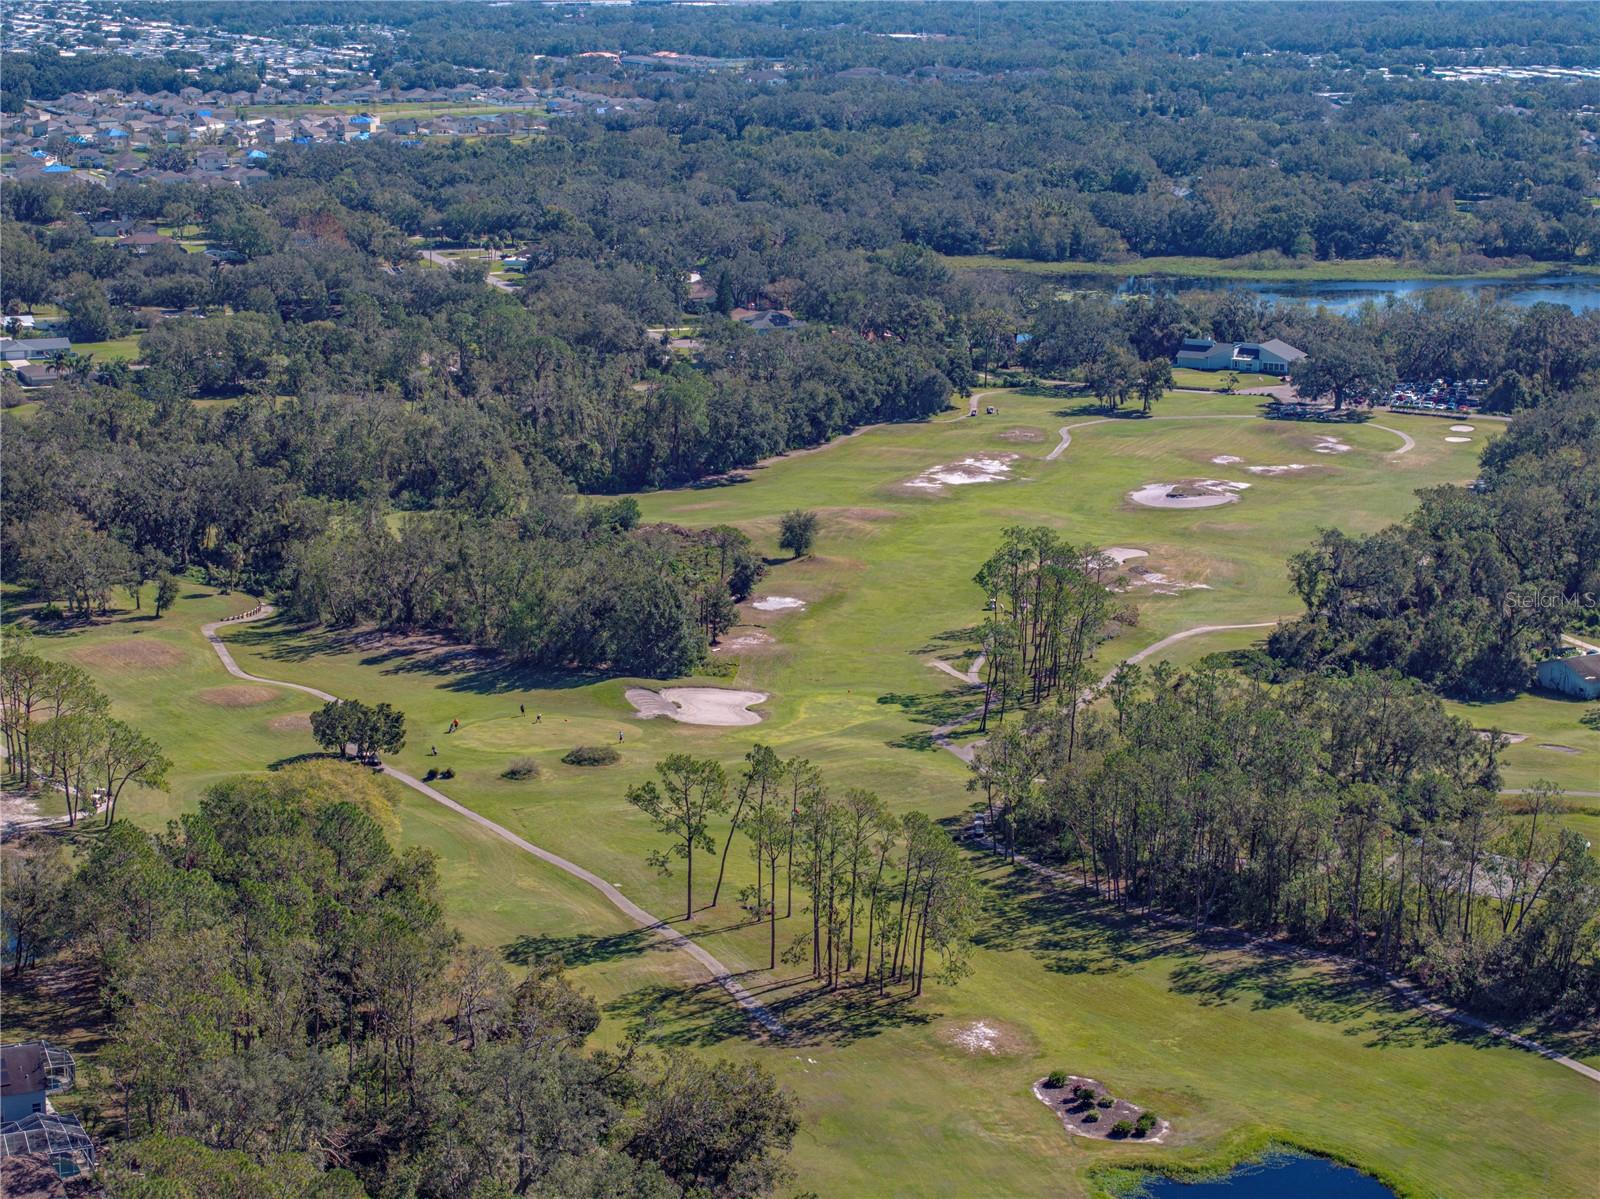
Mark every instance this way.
x=1276 y=1176
x=1581 y=293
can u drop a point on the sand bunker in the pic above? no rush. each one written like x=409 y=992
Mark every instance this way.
x=778 y=603
x=129 y=653
x=1163 y=584
x=1022 y=435
x=1508 y=738
x=297 y=722
x=1121 y=553
x=980 y=468
x=1560 y=749
x=1227 y=459
x=240 y=697
x=696 y=705
x=1196 y=493
x=1276 y=470
x=1326 y=444
x=1458 y=440
x=1462 y=428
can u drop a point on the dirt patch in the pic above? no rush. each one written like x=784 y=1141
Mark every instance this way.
x=1508 y=738
x=1560 y=749
x=1288 y=468
x=240 y=697
x=1328 y=444
x=778 y=603
x=1022 y=435
x=980 y=468
x=697 y=705
x=741 y=641
x=295 y=722
x=128 y=653
x=1462 y=428
x=987 y=1037
x=1161 y=583
x=1227 y=460
x=1192 y=493
x=1088 y=1119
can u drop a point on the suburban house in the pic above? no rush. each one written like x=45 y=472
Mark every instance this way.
x=766 y=320
x=1265 y=357
x=1578 y=676
x=29 y=1073
x=14 y=349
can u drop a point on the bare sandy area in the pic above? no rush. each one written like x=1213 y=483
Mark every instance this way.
x=1023 y=434
x=697 y=705
x=1227 y=460
x=989 y=1036
x=1462 y=428
x=1458 y=440
x=1194 y=493
x=980 y=468
x=1326 y=444
x=1122 y=553
x=240 y=697
x=129 y=653
x=295 y=722
x=1287 y=468
x=745 y=640
x=778 y=603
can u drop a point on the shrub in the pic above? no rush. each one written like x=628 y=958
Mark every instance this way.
x=1146 y=1122
x=590 y=755
x=1121 y=1129
x=1057 y=1079
x=1103 y=1101
x=1092 y=1118
x=447 y=773
x=521 y=770
x=431 y=775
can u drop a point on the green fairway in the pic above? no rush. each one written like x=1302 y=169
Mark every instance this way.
x=1220 y=1042
x=1188 y=377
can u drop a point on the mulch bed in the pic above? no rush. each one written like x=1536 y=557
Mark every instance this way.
x=1073 y=1112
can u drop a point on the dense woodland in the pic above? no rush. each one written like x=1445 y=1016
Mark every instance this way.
x=292 y=1014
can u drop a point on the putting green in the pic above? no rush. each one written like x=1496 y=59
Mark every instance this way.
x=1217 y=1042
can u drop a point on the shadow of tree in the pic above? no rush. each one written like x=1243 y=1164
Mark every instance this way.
x=702 y=1016
x=579 y=949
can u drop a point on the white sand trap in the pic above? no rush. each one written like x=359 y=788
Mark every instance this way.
x=696 y=705
x=1458 y=440
x=1462 y=428
x=1121 y=553
x=1227 y=459
x=1330 y=445
x=980 y=468
x=1289 y=468
x=778 y=603
x=1201 y=493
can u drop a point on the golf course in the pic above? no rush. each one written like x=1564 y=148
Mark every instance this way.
x=1200 y=503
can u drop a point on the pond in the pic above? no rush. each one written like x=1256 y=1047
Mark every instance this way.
x=1276 y=1176
x=1581 y=293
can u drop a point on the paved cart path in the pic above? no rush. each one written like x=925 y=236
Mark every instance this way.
x=720 y=974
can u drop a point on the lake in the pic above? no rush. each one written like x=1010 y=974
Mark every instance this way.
x=1581 y=293
x=1276 y=1176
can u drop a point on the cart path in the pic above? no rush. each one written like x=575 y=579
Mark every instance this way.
x=1408 y=443
x=720 y=974
x=941 y=734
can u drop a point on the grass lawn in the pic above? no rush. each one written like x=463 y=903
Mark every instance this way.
x=1222 y=1043
x=1357 y=269
x=120 y=349
x=1188 y=377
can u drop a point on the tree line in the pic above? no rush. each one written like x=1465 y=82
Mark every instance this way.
x=882 y=892
x=288 y=1002
x=59 y=733
x=1349 y=812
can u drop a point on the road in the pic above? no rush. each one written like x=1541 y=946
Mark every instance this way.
x=719 y=973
